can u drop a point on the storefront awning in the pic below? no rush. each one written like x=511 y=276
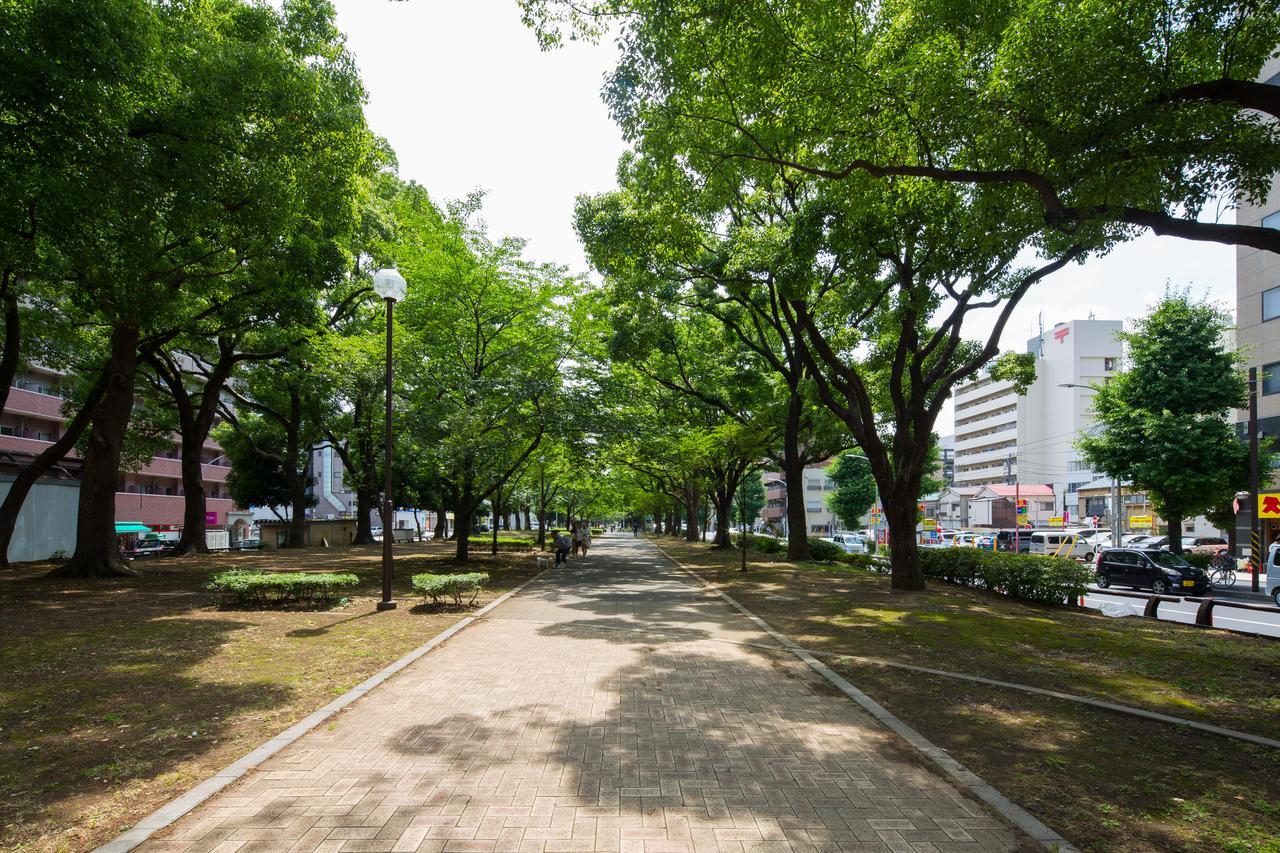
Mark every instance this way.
x=131 y=527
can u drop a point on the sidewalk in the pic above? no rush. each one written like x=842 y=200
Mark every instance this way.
x=610 y=706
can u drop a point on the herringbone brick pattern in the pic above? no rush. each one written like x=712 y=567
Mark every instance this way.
x=611 y=706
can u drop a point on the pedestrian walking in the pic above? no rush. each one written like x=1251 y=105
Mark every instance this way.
x=562 y=544
x=584 y=537
x=635 y=529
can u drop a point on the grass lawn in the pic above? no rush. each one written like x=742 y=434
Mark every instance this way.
x=118 y=695
x=1105 y=781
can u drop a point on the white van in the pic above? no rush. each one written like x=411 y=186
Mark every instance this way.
x=1060 y=543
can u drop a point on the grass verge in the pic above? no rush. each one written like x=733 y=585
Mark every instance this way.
x=1103 y=780
x=118 y=695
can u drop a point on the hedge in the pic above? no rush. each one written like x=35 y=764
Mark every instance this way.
x=437 y=587
x=866 y=562
x=1030 y=577
x=265 y=588
x=597 y=531
x=763 y=544
x=1200 y=561
x=821 y=550
x=505 y=543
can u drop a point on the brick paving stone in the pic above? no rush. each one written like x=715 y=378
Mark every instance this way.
x=611 y=706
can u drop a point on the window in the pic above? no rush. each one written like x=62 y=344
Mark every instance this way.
x=1110 y=363
x=1271 y=304
x=1271 y=378
x=5 y=429
x=1271 y=220
x=813 y=506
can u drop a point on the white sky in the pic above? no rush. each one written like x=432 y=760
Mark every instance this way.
x=467 y=100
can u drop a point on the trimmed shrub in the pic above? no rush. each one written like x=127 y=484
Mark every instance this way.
x=456 y=586
x=260 y=588
x=505 y=543
x=597 y=531
x=1029 y=577
x=821 y=550
x=763 y=544
x=866 y=562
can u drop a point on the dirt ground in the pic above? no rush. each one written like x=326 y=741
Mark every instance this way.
x=118 y=695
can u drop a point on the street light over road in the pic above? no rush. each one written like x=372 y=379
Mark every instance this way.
x=391 y=287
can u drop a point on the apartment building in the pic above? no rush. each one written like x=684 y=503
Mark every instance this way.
x=1258 y=319
x=153 y=494
x=817 y=487
x=1003 y=437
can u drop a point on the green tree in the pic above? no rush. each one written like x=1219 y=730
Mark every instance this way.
x=1165 y=417
x=1111 y=117
x=748 y=500
x=855 y=491
x=236 y=137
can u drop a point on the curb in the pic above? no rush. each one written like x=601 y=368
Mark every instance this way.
x=184 y=803
x=966 y=778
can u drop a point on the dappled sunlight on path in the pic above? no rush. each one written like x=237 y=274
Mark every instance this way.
x=611 y=705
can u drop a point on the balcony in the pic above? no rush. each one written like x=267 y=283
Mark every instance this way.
x=24 y=402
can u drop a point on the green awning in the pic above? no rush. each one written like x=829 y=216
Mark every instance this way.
x=131 y=527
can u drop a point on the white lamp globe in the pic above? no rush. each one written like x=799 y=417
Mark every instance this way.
x=389 y=284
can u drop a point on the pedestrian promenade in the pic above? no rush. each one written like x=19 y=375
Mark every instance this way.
x=612 y=705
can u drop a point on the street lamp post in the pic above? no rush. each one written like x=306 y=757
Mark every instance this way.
x=391 y=287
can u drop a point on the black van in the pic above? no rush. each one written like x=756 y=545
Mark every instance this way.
x=1149 y=568
x=1005 y=540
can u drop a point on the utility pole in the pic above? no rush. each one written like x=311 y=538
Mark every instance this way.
x=1116 y=529
x=1255 y=534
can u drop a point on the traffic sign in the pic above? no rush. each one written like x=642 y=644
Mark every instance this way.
x=1269 y=505
x=1142 y=522
x=930 y=524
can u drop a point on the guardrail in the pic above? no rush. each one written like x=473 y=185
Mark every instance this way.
x=1204 y=612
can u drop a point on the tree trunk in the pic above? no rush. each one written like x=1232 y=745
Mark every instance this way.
x=900 y=511
x=364 y=524
x=724 y=521
x=97 y=551
x=691 y=515
x=442 y=524
x=296 y=480
x=542 y=527
x=194 y=539
x=1174 y=521
x=12 y=337
x=46 y=459
x=528 y=518
x=793 y=471
x=657 y=523
x=464 y=506
x=417 y=523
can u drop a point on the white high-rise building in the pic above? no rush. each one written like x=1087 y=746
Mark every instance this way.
x=1003 y=437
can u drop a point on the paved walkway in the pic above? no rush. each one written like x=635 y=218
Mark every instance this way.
x=610 y=706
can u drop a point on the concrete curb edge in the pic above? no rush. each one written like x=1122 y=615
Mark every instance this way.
x=998 y=802
x=180 y=805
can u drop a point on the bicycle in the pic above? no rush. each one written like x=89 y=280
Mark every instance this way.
x=1222 y=570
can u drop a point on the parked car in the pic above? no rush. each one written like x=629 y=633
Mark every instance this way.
x=1272 y=567
x=1060 y=543
x=1135 y=539
x=1149 y=568
x=149 y=548
x=250 y=544
x=851 y=543
x=1005 y=540
x=1205 y=545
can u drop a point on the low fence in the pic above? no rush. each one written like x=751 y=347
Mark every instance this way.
x=1203 y=611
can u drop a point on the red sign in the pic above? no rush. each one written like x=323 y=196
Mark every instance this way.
x=1022 y=501
x=1060 y=334
x=211 y=517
